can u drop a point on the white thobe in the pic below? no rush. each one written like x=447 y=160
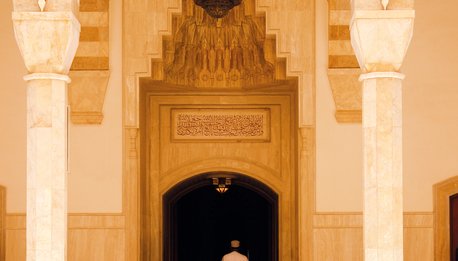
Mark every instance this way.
x=234 y=256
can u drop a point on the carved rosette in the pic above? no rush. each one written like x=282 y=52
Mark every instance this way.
x=218 y=53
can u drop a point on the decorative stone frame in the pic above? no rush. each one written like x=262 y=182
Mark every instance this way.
x=144 y=24
x=442 y=193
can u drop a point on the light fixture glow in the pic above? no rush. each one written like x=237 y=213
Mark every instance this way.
x=221 y=184
x=222 y=188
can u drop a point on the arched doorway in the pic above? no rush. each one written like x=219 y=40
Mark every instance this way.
x=454 y=227
x=199 y=222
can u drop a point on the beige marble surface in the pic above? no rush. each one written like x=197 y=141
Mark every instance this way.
x=48 y=43
x=46 y=169
x=87 y=95
x=47 y=40
x=380 y=39
x=346 y=91
x=382 y=132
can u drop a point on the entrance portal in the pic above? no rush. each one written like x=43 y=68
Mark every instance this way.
x=200 y=222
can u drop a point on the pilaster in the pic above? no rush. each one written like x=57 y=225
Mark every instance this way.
x=306 y=192
x=48 y=42
x=380 y=39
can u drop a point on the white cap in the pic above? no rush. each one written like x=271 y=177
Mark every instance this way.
x=235 y=243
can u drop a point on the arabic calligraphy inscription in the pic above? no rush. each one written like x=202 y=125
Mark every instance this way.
x=250 y=124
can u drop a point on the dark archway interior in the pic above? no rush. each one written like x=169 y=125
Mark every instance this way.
x=208 y=221
x=454 y=227
x=202 y=222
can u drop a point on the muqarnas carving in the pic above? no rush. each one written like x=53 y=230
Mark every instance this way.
x=218 y=53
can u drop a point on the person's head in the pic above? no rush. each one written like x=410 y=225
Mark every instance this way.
x=235 y=244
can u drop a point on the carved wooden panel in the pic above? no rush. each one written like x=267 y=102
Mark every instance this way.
x=220 y=124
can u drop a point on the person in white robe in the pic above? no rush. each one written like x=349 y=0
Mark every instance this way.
x=234 y=255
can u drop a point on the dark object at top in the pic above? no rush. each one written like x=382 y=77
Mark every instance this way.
x=217 y=8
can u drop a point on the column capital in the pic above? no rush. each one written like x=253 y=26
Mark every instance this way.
x=381 y=38
x=47 y=40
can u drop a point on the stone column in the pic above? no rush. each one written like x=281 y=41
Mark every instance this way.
x=382 y=132
x=48 y=42
x=380 y=39
x=46 y=166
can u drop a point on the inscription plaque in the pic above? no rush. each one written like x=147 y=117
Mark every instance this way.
x=206 y=124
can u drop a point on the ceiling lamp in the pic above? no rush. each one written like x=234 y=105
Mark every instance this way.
x=221 y=184
x=217 y=8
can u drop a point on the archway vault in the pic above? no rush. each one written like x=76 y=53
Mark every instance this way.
x=248 y=211
x=145 y=24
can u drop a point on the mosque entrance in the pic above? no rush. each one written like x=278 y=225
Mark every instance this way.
x=200 y=222
x=189 y=137
x=213 y=97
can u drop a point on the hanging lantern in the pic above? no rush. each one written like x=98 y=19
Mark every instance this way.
x=221 y=184
x=217 y=8
x=221 y=188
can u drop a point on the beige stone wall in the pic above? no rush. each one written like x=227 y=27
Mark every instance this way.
x=430 y=144
x=430 y=109
x=339 y=146
x=13 y=137
x=430 y=103
x=95 y=184
x=95 y=151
